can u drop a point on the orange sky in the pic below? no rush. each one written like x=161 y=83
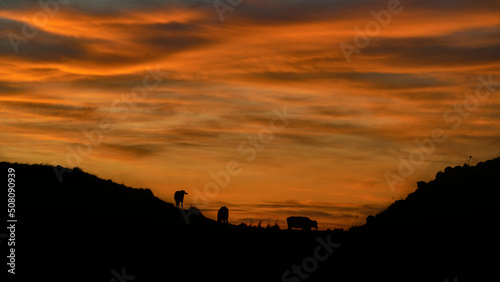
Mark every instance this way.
x=211 y=85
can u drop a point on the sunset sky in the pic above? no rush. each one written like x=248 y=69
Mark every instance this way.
x=160 y=94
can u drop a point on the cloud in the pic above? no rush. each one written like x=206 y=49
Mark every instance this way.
x=134 y=150
x=62 y=111
x=43 y=47
x=11 y=88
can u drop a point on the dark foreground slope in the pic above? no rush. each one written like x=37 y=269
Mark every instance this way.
x=86 y=228
x=447 y=228
x=89 y=229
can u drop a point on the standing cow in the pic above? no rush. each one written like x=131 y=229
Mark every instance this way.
x=179 y=198
x=223 y=215
x=301 y=222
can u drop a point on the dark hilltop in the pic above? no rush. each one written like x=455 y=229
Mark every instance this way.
x=90 y=229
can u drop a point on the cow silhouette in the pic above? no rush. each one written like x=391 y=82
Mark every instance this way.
x=223 y=215
x=301 y=222
x=179 y=198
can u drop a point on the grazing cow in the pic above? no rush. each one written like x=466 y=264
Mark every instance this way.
x=301 y=222
x=223 y=215
x=179 y=198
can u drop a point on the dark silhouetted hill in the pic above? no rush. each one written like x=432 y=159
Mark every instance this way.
x=88 y=229
x=467 y=195
x=446 y=228
x=83 y=228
